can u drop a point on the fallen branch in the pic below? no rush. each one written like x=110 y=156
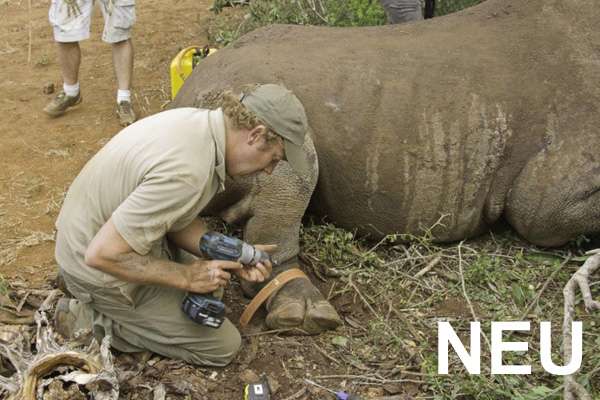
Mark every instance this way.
x=275 y=332
x=572 y=389
x=371 y=379
x=326 y=355
x=429 y=267
x=375 y=314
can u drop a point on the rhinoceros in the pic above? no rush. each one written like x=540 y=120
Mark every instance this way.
x=451 y=123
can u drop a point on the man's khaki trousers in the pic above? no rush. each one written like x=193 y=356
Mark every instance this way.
x=140 y=317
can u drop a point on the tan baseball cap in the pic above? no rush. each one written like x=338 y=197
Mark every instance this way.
x=281 y=111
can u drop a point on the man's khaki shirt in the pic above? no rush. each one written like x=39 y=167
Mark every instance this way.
x=153 y=177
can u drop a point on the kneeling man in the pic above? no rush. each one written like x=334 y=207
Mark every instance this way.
x=135 y=206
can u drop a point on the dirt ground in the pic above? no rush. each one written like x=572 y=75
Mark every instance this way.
x=39 y=157
x=386 y=356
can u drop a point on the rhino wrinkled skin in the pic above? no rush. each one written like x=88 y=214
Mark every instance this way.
x=489 y=113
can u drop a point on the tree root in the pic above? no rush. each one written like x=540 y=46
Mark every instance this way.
x=91 y=367
x=572 y=389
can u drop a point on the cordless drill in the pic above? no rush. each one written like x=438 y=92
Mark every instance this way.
x=208 y=310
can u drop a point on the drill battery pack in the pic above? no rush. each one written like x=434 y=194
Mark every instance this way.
x=204 y=309
x=257 y=391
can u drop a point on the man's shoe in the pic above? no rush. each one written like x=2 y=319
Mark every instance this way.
x=61 y=103
x=73 y=321
x=64 y=319
x=61 y=285
x=125 y=113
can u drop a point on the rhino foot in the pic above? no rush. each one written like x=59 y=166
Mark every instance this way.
x=299 y=304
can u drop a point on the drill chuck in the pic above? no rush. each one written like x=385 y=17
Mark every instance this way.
x=251 y=255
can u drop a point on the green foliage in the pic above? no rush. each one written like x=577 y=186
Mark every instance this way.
x=335 y=246
x=504 y=278
x=341 y=13
x=300 y=12
x=316 y=12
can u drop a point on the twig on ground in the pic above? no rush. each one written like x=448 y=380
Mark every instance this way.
x=331 y=291
x=363 y=255
x=297 y=395
x=307 y=260
x=274 y=332
x=362 y=297
x=371 y=383
x=406 y=372
x=286 y=371
x=572 y=389
x=370 y=378
x=428 y=267
x=543 y=289
x=466 y=296
x=326 y=355
x=22 y=302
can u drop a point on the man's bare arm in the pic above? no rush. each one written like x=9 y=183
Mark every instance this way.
x=189 y=237
x=110 y=253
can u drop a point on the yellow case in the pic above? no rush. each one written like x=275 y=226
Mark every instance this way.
x=182 y=65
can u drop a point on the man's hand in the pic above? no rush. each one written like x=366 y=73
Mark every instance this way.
x=260 y=271
x=110 y=253
x=207 y=276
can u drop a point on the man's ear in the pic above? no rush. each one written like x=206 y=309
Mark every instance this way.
x=256 y=133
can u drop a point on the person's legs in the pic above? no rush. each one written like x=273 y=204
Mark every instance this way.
x=400 y=11
x=69 y=57
x=70 y=24
x=119 y=18
x=150 y=318
x=123 y=62
x=122 y=53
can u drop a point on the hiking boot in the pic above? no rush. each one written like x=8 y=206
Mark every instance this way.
x=61 y=103
x=61 y=285
x=125 y=113
x=72 y=321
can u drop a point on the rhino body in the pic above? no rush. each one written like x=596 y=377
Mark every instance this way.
x=488 y=112
x=450 y=123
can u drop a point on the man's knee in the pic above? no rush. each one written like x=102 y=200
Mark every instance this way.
x=227 y=343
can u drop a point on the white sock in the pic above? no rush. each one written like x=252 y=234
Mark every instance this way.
x=71 y=90
x=123 y=95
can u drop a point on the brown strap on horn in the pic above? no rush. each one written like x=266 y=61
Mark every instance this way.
x=271 y=287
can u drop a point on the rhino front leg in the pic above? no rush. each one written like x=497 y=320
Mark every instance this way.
x=276 y=210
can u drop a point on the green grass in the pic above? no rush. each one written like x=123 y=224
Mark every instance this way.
x=502 y=276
